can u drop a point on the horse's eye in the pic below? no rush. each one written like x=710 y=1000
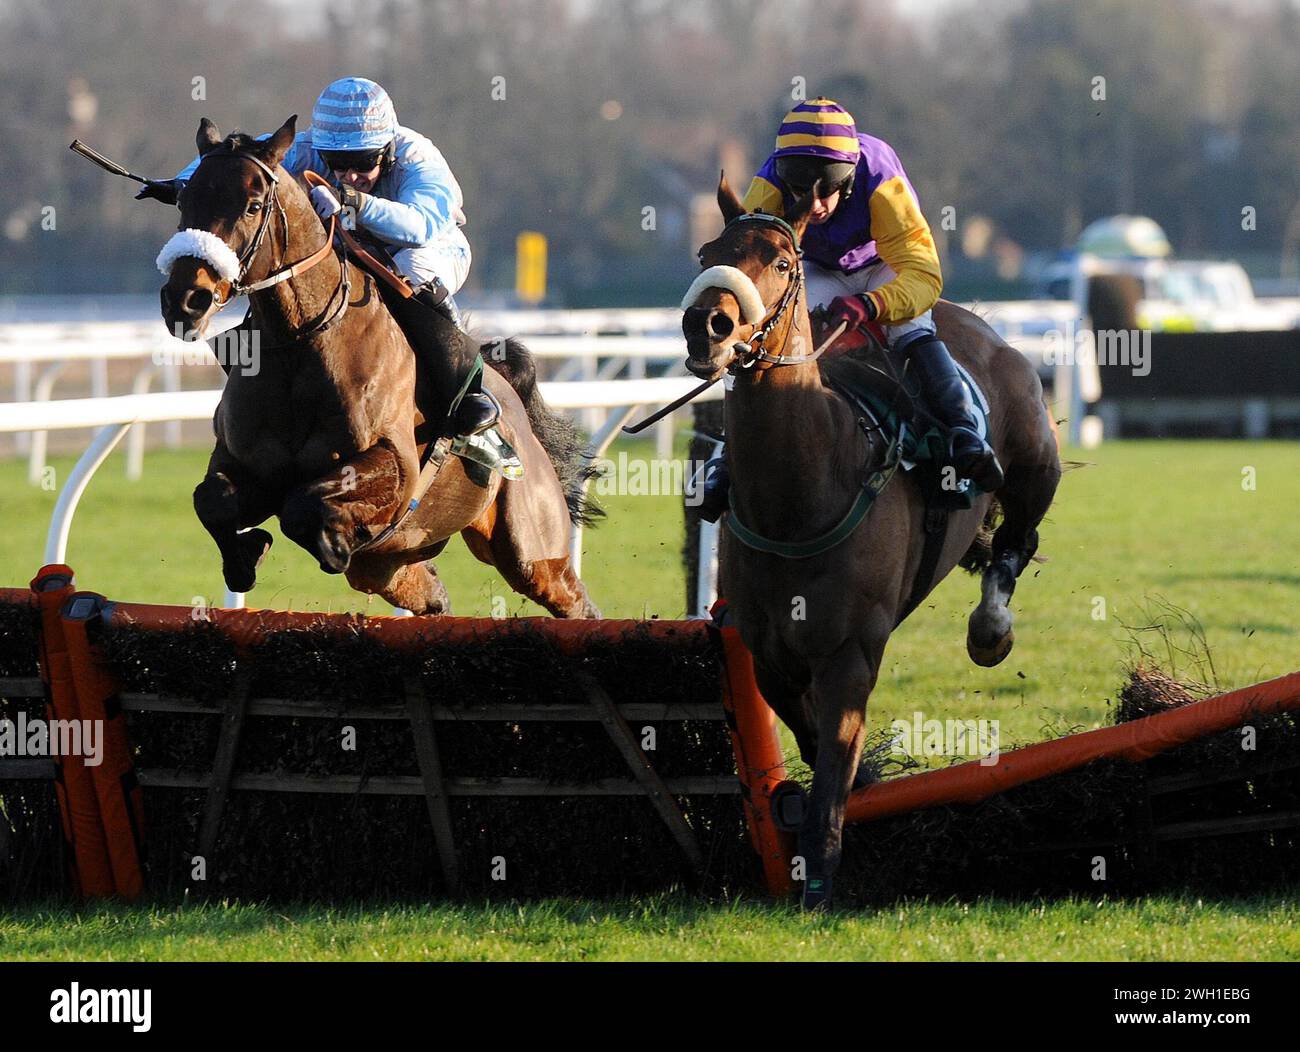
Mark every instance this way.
x=782 y=265
x=254 y=207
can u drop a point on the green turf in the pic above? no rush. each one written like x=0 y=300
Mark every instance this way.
x=670 y=927
x=1147 y=527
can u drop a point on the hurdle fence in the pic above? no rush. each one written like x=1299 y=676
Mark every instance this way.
x=105 y=809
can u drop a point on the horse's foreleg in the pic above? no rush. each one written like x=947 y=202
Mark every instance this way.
x=412 y=586
x=330 y=516
x=550 y=583
x=840 y=688
x=1025 y=498
x=786 y=699
x=227 y=501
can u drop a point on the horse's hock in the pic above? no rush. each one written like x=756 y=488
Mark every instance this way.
x=265 y=754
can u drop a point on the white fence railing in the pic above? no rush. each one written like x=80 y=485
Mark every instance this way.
x=115 y=416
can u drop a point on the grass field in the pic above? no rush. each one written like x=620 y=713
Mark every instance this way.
x=1143 y=530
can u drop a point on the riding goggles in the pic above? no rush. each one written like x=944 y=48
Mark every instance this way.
x=353 y=160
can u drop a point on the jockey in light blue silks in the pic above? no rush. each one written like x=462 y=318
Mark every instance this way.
x=401 y=192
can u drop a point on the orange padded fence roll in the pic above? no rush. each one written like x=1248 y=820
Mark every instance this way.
x=121 y=804
x=245 y=627
x=760 y=763
x=969 y=783
x=92 y=875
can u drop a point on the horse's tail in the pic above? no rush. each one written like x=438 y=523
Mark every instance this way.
x=561 y=439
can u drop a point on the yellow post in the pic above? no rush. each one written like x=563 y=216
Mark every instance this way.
x=530 y=266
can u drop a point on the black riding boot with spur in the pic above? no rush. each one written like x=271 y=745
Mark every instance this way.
x=947 y=398
x=478 y=410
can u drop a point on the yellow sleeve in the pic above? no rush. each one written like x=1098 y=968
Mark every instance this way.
x=904 y=241
x=763 y=196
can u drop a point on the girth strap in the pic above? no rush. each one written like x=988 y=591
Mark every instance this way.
x=934 y=532
x=837 y=534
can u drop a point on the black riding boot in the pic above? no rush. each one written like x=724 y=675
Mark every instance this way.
x=946 y=397
x=716 y=488
x=478 y=410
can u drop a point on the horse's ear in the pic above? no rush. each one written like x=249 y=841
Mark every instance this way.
x=798 y=217
x=207 y=136
x=727 y=199
x=278 y=144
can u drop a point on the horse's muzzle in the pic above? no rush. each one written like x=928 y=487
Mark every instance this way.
x=710 y=340
x=186 y=311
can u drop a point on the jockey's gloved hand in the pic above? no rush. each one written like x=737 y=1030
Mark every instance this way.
x=325 y=202
x=856 y=310
x=164 y=190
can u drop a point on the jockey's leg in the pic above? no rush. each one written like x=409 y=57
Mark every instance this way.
x=437 y=272
x=947 y=397
x=942 y=388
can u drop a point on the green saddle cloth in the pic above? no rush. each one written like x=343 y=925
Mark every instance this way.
x=922 y=448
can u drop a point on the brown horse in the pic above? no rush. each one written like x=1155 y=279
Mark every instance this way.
x=798 y=459
x=328 y=431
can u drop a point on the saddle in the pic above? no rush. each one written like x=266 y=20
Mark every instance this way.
x=886 y=394
x=482 y=454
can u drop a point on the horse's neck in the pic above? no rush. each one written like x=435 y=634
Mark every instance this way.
x=786 y=436
x=290 y=308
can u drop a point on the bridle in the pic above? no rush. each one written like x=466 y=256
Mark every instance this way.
x=755 y=351
x=270 y=204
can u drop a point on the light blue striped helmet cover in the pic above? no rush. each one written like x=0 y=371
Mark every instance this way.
x=353 y=114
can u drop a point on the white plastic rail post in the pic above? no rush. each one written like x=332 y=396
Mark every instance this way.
x=56 y=539
x=1068 y=370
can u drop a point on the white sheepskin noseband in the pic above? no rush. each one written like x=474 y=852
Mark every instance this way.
x=736 y=282
x=204 y=245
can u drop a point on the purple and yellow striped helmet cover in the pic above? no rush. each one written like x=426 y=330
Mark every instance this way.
x=820 y=128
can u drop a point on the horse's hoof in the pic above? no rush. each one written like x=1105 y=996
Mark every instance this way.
x=990 y=656
x=816 y=895
x=252 y=547
x=335 y=555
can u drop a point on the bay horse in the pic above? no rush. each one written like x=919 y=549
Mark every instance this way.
x=328 y=432
x=817 y=624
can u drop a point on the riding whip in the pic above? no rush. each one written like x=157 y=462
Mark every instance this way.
x=77 y=146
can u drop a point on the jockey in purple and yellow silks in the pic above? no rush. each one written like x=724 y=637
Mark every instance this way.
x=869 y=256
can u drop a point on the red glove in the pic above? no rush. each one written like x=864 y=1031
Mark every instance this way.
x=856 y=310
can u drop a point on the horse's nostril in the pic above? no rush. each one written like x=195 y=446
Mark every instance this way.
x=196 y=302
x=720 y=325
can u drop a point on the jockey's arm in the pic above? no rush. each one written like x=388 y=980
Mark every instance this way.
x=904 y=241
x=763 y=196
x=295 y=161
x=426 y=207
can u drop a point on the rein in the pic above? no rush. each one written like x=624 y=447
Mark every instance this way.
x=237 y=288
x=874 y=484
